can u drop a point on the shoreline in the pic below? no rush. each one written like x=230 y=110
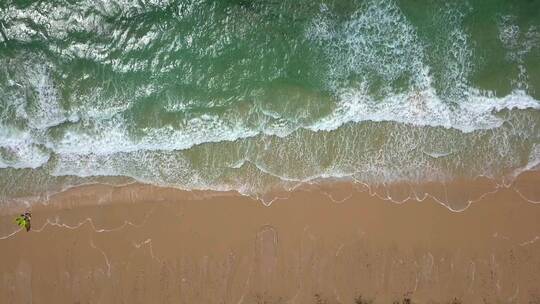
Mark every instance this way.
x=523 y=183
x=324 y=243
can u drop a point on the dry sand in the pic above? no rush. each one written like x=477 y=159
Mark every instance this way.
x=143 y=244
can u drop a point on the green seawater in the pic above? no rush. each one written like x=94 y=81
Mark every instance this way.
x=253 y=95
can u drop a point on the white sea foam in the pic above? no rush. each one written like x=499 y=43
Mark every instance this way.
x=533 y=161
x=30 y=94
x=55 y=20
x=515 y=39
x=424 y=108
x=17 y=150
x=519 y=44
x=379 y=39
x=44 y=111
x=376 y=39
x=29 y=107
x=112 y=136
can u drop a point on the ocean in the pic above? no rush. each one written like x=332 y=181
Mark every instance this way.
x=255 y=96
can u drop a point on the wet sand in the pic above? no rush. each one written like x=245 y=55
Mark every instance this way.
x=328 y=243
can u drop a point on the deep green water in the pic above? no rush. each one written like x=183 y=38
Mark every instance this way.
x=253 y=95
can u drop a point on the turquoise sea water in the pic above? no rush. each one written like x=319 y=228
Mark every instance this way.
x=250 y=95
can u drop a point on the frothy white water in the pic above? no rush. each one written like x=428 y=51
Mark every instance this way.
x=113 y=136
x=425 y=108
x=17 y=150
x=399 y=153
x=379 y=40
x=30 y=94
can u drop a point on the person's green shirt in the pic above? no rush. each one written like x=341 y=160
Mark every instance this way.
x=23 y=222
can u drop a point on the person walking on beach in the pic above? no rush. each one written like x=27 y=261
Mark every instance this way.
x=23 y=220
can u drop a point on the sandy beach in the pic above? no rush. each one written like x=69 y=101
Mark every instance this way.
x=144 y=244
